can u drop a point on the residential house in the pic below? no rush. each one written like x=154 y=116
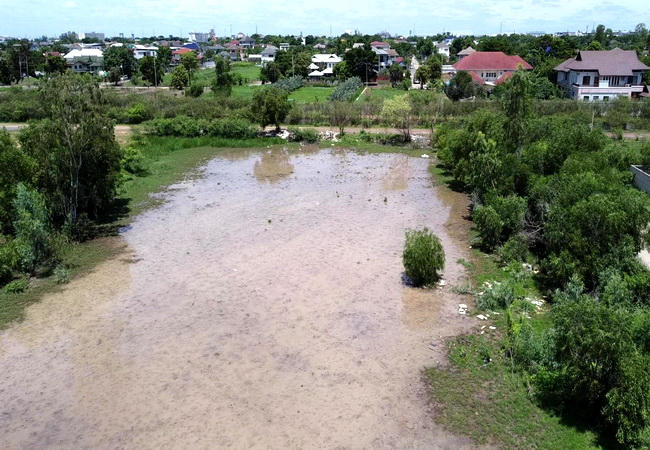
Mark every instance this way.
x=284 y=46
x=86 y=64
x=176 y=55
x=247 y=42
x=83 y=53
x=268 y=54
x=380 y=45
x=140 y=51
x=322 y=65
x=490 y=68
x=466 y=52
x=320 y=47
x=602 y=75
x=255 y=58
x=443 y=49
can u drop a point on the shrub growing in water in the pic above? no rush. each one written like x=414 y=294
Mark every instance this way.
x=423 y=257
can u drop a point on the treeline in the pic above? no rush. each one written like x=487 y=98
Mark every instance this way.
x=553 y=192
x=60 y=176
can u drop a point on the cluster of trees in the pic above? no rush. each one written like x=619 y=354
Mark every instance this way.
x=61 y=175
x=552 y=190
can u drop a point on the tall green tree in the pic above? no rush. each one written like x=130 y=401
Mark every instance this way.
x=270 y=106
x=361 y=62
x=224 y=80
x=55 y=64
x=516 y=100
x=77 y=158
x=180 y=78
x=152 y=70
x=190 y=61
x=164 y=55
x=120 y=57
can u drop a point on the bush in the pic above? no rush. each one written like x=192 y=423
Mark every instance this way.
x=290 y=84
x=137 y=113
x=17 y=286
x=195 y=90
x=514 y=250
x=303 y=135
x=35 y=243
x=8 y=260
x=423 y=257
x=133 y=162
x=497 y=295
x=489 y=226
x=347 y=90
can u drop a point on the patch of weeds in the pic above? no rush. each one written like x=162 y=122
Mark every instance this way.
x=17 y=286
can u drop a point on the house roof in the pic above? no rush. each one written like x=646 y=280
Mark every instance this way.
x=315 y=73
x=503 y=78
x=467 y=51
x=83 y=53
x=379 y=44
x=326 y=58
x=476 y=78
x=312 y=66
x=181 y=50
x=614 y=62
x=491 y=61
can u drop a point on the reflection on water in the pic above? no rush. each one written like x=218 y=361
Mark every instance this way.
x=272 y=166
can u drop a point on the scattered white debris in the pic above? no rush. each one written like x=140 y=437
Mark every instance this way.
x=425 y=156
x=462 y=308
x=442 y=283
x=492 y=328
x=527 y=267
x=481 y=317
x=483 y=327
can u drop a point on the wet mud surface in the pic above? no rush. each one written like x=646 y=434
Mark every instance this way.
x=261 y=306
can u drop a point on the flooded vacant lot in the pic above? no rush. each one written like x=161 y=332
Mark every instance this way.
x=261 y=306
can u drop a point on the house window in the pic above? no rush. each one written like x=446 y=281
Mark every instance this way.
x=595 y=97
x=586 y=80
x=586 y=98
x=606 y=98
x=490 y=75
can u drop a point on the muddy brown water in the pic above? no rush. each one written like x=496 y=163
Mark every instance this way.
x=261 y=306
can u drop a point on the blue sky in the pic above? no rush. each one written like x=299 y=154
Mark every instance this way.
x=32 y=18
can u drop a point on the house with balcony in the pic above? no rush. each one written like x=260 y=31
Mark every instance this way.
x=268 y=54
x=595 y=75
x=490 y=68
x=322 y=65
x=140 y=51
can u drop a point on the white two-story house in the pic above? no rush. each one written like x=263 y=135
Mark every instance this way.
x=602 y=75
x=323 y=65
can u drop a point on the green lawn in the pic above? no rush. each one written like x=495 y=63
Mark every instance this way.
x=246 y=70
x=310 y=94
x=244 y=91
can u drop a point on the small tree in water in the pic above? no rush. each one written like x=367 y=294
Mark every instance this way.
x=423 y=257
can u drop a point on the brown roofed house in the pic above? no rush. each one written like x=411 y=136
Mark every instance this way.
x=602 y=75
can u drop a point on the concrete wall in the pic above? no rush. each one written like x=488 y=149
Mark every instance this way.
x=641 y=178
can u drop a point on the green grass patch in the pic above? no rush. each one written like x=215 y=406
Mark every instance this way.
x=309 y=94
x=245 y=91
x=490 y=404
x=246 y=70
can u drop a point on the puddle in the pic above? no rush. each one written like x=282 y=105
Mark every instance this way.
x=263 y=307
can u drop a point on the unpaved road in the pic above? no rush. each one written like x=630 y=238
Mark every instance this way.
x=261 y=306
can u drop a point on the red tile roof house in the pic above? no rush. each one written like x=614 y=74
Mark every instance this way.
x=491 y=68
x=602 y=75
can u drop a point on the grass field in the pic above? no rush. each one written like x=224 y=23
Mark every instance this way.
x=310 y=94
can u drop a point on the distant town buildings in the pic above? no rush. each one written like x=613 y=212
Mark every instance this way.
x=91 y=35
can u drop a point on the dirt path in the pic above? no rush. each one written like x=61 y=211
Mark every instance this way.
x=261 y=306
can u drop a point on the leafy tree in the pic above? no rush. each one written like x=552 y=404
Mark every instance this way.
x=69 y=38
x=341 y=114
x=516 y=100
x=397 y=112
x=17 y=167
x=361 y=62
x=120 y=57
x=462 y=86
x=269 y=73
x=34 y=243
x=55 y=64
x=164 y=55
x=77 y=158
x=270 y=106
x=114 y=75
x=180 y=78
x=152 y=70
x=396 y=74
x=190 y=61
x=423 y=74
x=224 y=80
x=423 y=257
x=293 y=62
x=600 y=35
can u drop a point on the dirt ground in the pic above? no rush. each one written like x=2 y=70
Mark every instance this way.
x=261 y=306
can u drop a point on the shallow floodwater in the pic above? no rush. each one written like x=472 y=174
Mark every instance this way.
x=261 y=306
